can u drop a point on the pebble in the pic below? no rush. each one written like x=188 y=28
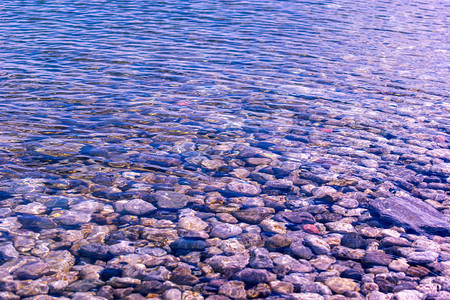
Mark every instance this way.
x=341 y=285
x=233 y=289
x=225 y=230
x=317 y=245
x=255 y=276
x=241 y=188
x=425 y=257
x=137 y=207
x=376 y=258
x=170 y=200
x=260 y=259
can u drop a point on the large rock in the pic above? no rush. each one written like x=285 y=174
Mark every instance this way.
x=411 y=213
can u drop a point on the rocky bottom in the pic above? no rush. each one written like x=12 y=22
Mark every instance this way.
x=246 y=245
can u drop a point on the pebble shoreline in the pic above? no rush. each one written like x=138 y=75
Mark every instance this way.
x=251 y=227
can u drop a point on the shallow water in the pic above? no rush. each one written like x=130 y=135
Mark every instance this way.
x=115 y=100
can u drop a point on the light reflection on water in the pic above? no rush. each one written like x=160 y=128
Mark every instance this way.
x=101 y=82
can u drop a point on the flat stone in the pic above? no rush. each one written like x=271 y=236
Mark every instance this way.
x=413 y=214
x=317 y=245
x=424 y=257
x=170 y=200
x=225 y=230
x=255 y=276
x=241 y=188
x=341 y=285
x=32 y=270
x=376 y=258
x=409 y=295
x=136 y=207
x=353 y=240
x=233 y=289
x=253 y=215
x=300 y=251
x=260 y=259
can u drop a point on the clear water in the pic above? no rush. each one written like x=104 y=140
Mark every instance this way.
x=93 y=87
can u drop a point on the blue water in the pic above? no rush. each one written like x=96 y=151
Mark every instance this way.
x=355 y=92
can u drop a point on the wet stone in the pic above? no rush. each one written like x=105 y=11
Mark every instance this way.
x=8 y=252
x=189 y=244
x=425 y=257
x=341 y=285
x=225 y=230
x=353 y=240
x=242 y=189
x=253 y=215
x=300 y=251
x=32 y=270
x=96 y=251
x=317 y=245
x=136 y=207
x=296 y=217
x=233 y=289
x=376 y=258
x=170 y=200
x=255 y=276
x=32 y=222
x=260 y=259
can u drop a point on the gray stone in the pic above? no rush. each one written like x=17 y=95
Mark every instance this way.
x=317 y=245
x=170 y=200
x=225 y=230
x=376 y=258
x=138 y=207
x=8 y=252
x=32 y=270
x=241 y=188
x=425 y=257
x=253 y=215
x=260 y=259
x=299 y=250
x=413 y=214
x=255 y=276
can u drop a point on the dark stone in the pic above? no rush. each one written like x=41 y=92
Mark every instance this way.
x=255 y=276
x=301 y=251
x=36 y=222
x=376 y=258
x=353 y=240
x=164 y=161
x=9 y=285
x=260 y=259
x=106 y=291
x=352 y=274
x=406 y=285
x=122 y=293
x=189 y=244
x=297 y=217
x=328 y=217
x=108 y=273
x=32 y=270
x=84 y=285
x=412 y=214
x=278 y=241
x=253 y=215
x=150 y=286
x=96 y=251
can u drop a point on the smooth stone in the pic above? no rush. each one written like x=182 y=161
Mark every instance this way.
x=316 y=288
x=242 y=189
x=137 y=207
x=376 y=295
x=353 y=240
x=290 y=264
x=32 y=270
x=300 y=251
x=399 y=265
x=340 y=227
x=225 y=230
x=71 y=217
x=425 y=257
x=226 y=264
x=413 y=214
x=192 y=223
x=317 y=245
x=408 y=295
x=8 y=252
x=270 y=225
x=170 y=200
x=255 y=276
x=354 y=274
x=341 y=285
x=326 y=193
x=189 y=244
x=31 y=222
x=253 y=215
x=395 y=241
x=95 y=251
x=322 y=262
x=376 y=258
x=172 y=294
x=305 y=296
x=297 y=217
x=348 y=253
x=260 y=259
x=281 y=287
x=233 y=289
x=34 y=208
